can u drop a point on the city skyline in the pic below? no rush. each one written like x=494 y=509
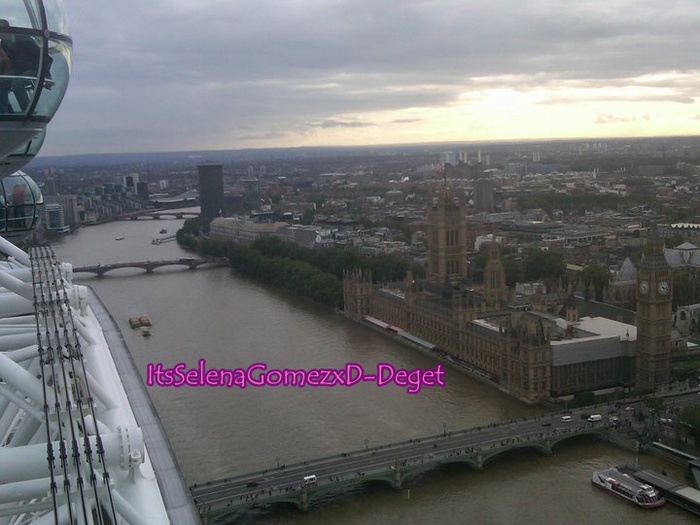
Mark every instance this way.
x=207 y=76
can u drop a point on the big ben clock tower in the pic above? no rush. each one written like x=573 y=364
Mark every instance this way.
x=654 y=293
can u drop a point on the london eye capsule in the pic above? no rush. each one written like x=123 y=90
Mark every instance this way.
x=21 y=205
x=35 y=63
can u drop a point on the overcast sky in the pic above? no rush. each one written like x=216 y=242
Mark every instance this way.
x=169 y=75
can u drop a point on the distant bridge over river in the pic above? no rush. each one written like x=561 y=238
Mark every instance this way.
x=321 y=479
x=150 y=266
x=157 y=214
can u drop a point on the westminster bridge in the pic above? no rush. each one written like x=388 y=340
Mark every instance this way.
x=221 y=500
x=149 y=266
x=157 y=214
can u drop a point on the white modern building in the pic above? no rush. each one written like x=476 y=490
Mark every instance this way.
x=54 y=220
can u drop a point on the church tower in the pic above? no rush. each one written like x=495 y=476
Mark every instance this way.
x=495 y=289
x=447 y=239
x=654 y=293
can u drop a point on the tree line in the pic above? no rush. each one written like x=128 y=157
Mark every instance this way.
x=314 y=274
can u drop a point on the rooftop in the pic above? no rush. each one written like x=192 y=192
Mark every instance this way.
x=607 y=327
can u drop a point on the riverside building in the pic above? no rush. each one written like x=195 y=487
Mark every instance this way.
x=532 y=350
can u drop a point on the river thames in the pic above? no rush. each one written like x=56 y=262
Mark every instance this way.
x=216 y=432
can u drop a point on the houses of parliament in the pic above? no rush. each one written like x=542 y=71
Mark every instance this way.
x=534 y=351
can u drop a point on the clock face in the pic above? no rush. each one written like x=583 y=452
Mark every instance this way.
x=644 y=287
x=664 y=287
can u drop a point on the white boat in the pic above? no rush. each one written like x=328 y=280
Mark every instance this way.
x=120 y=238
x=625 y=486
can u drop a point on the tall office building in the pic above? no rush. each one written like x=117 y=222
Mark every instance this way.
x=51 y=186
x=131 y=180
x=211 y=192
x=251 y=194
x=483 y=195
x=69 y=205
x=53 y=215
x=142 y=190
x=448 y=157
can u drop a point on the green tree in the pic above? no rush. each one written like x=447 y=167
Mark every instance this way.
x=513 y=268
x=690 y=420
x=311 y=273
x=655 y=404
x=584 y=399
x=478 y=262
x=685 y=289
x=188 y=235
x=511 y=265
x=367 y=223
x=675 y=240
x=576 y=203
x=546 y=266
x=598 y=276
x=308 y=216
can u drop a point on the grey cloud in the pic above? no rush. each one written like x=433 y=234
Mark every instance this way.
x=343 y=124
x=604 y=118
x=278 y=65
x=678 y=99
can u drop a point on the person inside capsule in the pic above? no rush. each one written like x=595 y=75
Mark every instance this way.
x=20 y=56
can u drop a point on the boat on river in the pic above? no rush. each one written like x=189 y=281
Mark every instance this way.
x=138 y=322
x=627 y=487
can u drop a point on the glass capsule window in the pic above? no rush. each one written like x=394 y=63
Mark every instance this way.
x=22 y=154
x=21 y=205
x=35 y=64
